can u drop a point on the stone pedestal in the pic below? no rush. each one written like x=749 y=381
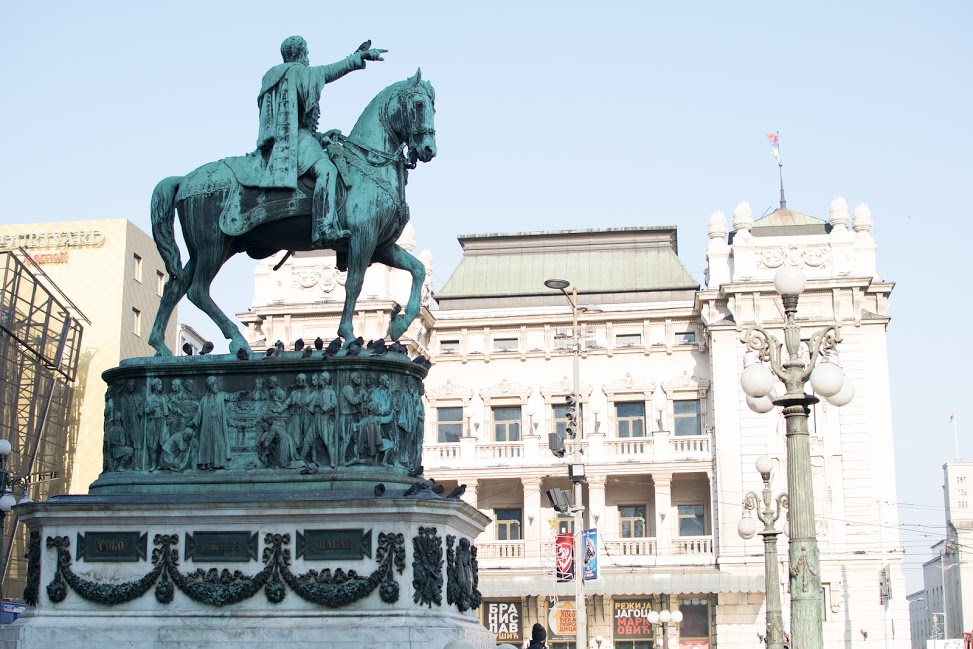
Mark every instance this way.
x=311 y=570
x=275 y=502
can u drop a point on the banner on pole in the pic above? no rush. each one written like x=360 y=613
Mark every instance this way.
x=590 y=554
x=564 y=557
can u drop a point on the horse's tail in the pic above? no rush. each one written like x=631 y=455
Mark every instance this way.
x=163 y=216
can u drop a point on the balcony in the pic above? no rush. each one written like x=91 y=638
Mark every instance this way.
x=635 y=547
x=471 y=453
x=500 y=551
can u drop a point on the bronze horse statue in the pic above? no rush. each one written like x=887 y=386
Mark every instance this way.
x=220 y=217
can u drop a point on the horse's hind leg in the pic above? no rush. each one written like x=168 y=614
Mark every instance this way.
x=173 y=291
x=206 y=268
x=395 y=256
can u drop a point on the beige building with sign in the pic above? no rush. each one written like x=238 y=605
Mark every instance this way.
x=668 y=444
x=111 y=271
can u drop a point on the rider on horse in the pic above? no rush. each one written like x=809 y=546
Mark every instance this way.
x=288 y=141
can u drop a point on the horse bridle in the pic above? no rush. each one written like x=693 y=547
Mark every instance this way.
x=390 y=129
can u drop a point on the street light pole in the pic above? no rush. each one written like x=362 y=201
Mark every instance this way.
x=580 y=601
x=827 y=380
x=768 y=516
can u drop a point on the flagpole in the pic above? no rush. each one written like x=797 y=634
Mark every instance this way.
x=955 y=433
x=780 y=173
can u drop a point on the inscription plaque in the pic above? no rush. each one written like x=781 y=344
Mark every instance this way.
x=221 y=546
x=112 y=546
x=317 y=545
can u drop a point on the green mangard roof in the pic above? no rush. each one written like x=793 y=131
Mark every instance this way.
x=507 y=273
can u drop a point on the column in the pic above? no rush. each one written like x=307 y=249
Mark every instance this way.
x=470 y=497
x=532 y=513
x=596 y=499
x=664 y=522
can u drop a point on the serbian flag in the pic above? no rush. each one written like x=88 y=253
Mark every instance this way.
x=774 y=140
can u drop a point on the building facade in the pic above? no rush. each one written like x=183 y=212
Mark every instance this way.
x=112 y=276
x=667 y=442
x=942 y=610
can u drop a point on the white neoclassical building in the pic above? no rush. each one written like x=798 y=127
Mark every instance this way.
x=667 y=441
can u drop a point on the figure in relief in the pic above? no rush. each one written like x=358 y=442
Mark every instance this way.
x=320 y=438
x=375 y=441
x=156 y=430
x=277 y=393
x=275 y=448
x=349 y=414
x=117 y=450
x=211 y=426
x=296 y=408
x=259 y=392
x=133 y=422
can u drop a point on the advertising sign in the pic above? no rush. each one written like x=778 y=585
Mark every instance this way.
x=504 y=619
x=564 y=557
x=590 y=554
x=631 y=619
x=561 y=620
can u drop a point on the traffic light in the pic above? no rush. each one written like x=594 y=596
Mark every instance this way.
x=556 y=444
x=571 y=428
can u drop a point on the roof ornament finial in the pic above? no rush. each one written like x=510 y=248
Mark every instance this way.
x=774 y=139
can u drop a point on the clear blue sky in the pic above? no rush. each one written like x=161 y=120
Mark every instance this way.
x=553 y=115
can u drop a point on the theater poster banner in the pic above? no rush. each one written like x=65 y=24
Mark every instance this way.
x=564 y=557
x=505 y=620
x=631 y=619
x=562 y=622
x=590 y=554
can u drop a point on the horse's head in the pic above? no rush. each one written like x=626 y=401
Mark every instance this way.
x=410 y=116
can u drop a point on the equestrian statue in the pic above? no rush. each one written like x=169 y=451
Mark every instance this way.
x=301 y=189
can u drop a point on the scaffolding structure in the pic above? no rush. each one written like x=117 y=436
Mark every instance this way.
x=40 y=350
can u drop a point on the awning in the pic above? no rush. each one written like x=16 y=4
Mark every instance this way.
x=500 y=584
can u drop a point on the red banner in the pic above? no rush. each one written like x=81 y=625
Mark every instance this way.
x=564 y=557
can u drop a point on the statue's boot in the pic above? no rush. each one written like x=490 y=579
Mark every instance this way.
x=327 y=232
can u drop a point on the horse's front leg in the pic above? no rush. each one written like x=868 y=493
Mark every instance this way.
x=395 y=256
x=360 y=250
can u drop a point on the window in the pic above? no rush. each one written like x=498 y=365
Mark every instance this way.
x=508 y=524
x=449 y=346
x=631 y=521
x=695 y=617
x=686 y=338
x=631 y=418
x=160 y=282
x=565 y=524
x=136 y=268
x=628 y=340
x=688 y=419
x=506 y=424
x=504 y=344
x=450 y=425
x=691 y=522
x=136 y=322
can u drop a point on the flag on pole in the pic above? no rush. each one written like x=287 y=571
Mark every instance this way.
x=774 y=140
x=952 y=418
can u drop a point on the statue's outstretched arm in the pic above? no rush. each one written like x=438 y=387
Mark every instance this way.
x=350 y=63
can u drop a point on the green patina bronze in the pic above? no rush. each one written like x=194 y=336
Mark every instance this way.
x=300 y=189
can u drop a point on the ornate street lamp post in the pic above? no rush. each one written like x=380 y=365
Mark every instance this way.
x=747 y=528
x=7 y=501
x=827 y=380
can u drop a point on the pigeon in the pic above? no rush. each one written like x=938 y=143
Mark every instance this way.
x=414 y=489
x=457 y=492
x=307 y=352
x=279 y=345
x=272 y=352
x=378 y=347
x=438 y=489
x=379 y=490
x=396 y=310
x=364 y=47
x=354 y=347
x=422 y=362
x=399 y=348
x=310 y=468
x=417 y=471
x=298 y=344
x=207 y=348
x=187 y=349
x=333 y=347
x=242 y=354
x=318 y=343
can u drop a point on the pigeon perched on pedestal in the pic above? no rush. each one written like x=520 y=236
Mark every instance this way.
x=318 y=343
x=307 y=352
x=438 y=489
x=187 y=349
x=333 y=347
x=379 y=490
x=242 y=354
x=417 y=471
x=279 y=345
x=399 y=348
x=298 y=344
x=310 y=468
x=272 y=352
x=377 y=347
x=207 y=348
x=457 y=492
x=355 y=347
x=422 y=362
